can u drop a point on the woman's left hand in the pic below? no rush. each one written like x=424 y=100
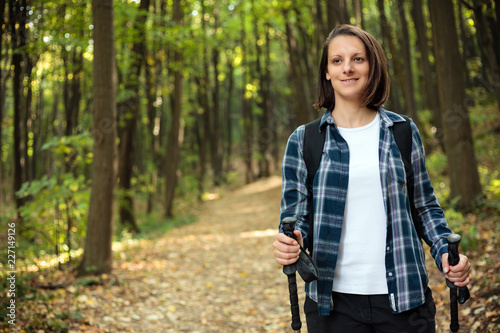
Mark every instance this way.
x=458 y=274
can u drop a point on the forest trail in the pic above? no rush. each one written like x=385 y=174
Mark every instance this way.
x=219 y=275
x=215 y=275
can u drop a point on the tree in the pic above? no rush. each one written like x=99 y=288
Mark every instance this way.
x=337 y=13
x=401 y=69
x=129 y=117
x=2 y=21
x=462 y=165
x=97 y=256
x=429 y=92
x=487 y=44
x=407 y=82
x=18 y=19
x=246 y=109
x=174 y=140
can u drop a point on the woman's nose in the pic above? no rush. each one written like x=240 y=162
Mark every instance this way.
x=347 y=67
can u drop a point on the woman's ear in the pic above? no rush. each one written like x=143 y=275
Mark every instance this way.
x=328 y=77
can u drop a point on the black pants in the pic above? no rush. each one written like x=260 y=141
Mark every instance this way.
x=370 y=314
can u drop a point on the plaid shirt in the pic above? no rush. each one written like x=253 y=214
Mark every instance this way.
x=404 y=260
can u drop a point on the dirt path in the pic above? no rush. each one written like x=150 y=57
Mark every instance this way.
x=216 y=275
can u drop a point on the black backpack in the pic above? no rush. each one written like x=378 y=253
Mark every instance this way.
x=314 y=140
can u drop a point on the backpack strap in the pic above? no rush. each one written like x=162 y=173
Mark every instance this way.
x=314 y=140
x=403 y=135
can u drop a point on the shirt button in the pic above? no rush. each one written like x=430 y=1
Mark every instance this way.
x=390 y=274
x=388 y=248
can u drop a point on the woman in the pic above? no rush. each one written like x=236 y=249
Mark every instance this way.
x=372 y=275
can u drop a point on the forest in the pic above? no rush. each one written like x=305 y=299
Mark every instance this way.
x=120 y=121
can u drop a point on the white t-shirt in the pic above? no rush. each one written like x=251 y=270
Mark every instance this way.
x=360 y=266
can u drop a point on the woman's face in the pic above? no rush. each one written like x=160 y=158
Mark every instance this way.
x=347 y=68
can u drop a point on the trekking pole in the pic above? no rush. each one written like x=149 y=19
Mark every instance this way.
x=288 y=225
x=457 y=295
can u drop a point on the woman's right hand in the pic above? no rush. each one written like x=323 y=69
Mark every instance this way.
x=286 y=249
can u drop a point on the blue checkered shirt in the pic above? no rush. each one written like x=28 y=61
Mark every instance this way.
x=404 y=259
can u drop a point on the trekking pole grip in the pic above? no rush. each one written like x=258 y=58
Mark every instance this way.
x=288 y=225
x=453 y=259
x=453 y=241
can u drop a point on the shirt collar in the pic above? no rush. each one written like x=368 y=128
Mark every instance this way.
x=387 y=118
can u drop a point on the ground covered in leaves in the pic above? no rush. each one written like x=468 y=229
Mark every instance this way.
x=219 y=275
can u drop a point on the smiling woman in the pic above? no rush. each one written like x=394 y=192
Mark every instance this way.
x=347 y=70
x=355 y=213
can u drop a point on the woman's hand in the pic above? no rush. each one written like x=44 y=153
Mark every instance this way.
x=458 y=274
x=286 y=249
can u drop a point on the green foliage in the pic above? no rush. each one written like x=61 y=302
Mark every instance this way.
x=469 y=232
x=57 y=202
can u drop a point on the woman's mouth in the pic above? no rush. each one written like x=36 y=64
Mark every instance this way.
x=349 y=81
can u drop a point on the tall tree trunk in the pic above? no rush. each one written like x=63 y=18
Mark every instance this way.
x=228 y=117
x=430 y=92
x=27 y=118
x=215 y=128
x=319 y=23
x=358 y=11
x=407 y=82
x=399 y=70
x=174 y=136
x=2 y=99
x=246 y=108
x=97 y=256
x=129 y=113
x=151 y=90
x=337 y=13
x=462 y=166
x=17 y=18
x=263 y=77
x=307 y=51
x=204 y=86
x=486 y=46
x=303 y=110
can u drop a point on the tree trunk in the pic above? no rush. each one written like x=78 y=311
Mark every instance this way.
x=151 y=90
x=215 y=128
x=486 y=46
x=2 y=99
x=319 y=23
x=246 y=145
x=97 y=256
x=263 y=77
x=303 y=110
x=462 y=166
x=307 y=51
x=203 y=89
x=407 y=82
x=430 y=93
x=358 y=11
x=337 y=13
x=228 y=117
x=17 y=18
x=129 y=114
x=399 y=70
x=174 y=136
x=27 y=118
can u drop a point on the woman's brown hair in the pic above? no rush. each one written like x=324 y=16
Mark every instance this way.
x=377 y=89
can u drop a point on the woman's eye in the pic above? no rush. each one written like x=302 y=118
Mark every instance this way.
x=358 y=59
x=336 y=61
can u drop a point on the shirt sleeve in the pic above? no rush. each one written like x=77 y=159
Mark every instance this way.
x=430 y=215
x=294 y=193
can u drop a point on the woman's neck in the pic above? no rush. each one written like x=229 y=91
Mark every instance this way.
x=352 y=116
